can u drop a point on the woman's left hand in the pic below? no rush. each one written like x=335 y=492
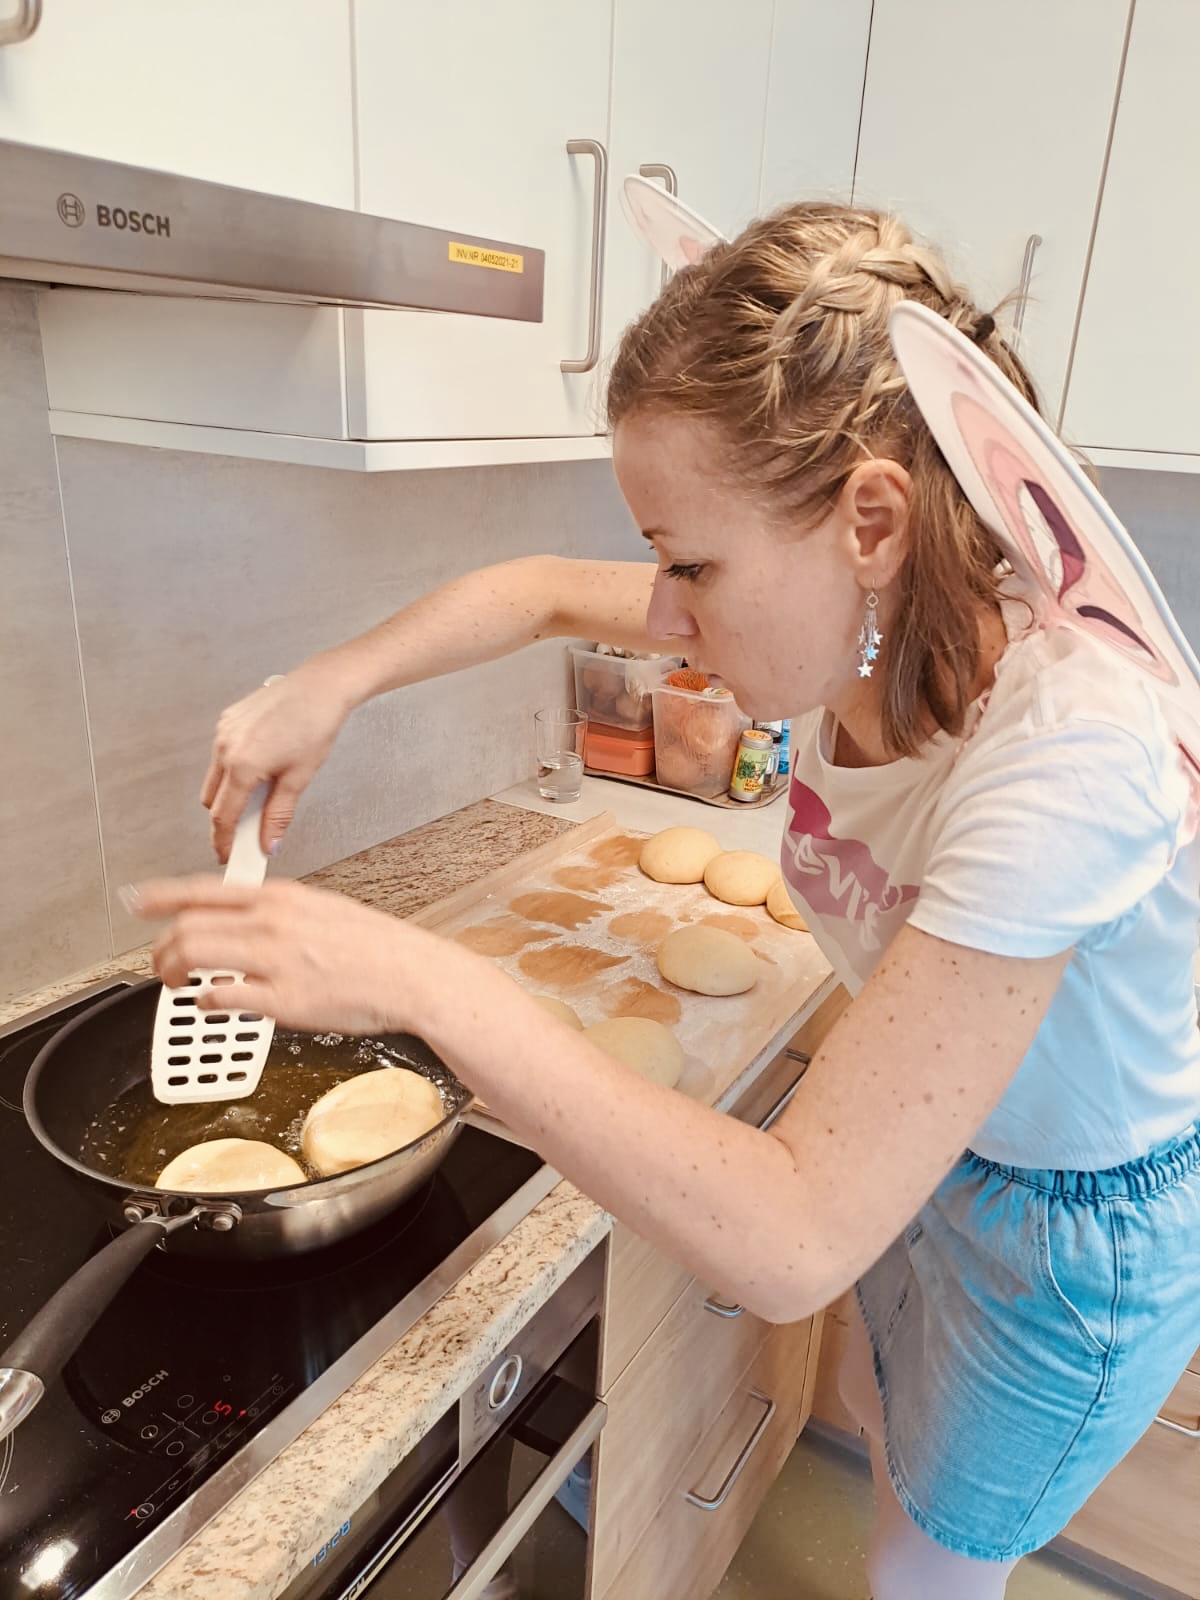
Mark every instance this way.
x=314 y=960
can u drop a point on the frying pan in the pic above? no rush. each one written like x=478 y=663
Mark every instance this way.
x=77 y=1076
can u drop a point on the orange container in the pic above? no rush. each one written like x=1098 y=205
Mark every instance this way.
x=628 y=751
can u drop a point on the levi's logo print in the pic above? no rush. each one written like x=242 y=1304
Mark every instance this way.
x=840 y=878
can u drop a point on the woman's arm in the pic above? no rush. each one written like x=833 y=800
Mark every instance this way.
x=784 y=1220
x=284 y=731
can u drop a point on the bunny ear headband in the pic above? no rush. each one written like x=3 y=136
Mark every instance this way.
x=1080 y=567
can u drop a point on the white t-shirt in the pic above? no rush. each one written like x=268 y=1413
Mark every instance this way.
x=1062 y=820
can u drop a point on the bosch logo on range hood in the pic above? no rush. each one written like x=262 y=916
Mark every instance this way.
x=69 y=219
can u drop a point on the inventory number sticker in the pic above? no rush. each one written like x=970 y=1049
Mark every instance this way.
x=478 y=255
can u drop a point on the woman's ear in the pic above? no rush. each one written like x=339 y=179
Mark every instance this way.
x=874 y=505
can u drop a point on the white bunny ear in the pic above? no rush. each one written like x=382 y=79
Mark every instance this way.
x=673 y=231
x=1082 y=569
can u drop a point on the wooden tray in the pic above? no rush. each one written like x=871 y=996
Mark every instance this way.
x=577 y=919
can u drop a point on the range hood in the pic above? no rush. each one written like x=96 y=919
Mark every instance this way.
x=70 y=219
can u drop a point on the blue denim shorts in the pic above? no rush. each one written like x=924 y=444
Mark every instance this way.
x=1027 y=1326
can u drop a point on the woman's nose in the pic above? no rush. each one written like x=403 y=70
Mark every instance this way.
x=667 y=617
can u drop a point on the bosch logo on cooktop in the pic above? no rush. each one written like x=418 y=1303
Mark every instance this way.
x=145 y=1388
x=73 y=213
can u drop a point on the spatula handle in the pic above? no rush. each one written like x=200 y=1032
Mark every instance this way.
x=247 y=864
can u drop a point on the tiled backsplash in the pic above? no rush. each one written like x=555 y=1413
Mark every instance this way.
x=143 y=590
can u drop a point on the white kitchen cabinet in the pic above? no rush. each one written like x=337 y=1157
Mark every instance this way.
x=465 y=111
x=814 y=99
x=984 y=125
x=1133 y=384
x=688 y=92
x=257 y=95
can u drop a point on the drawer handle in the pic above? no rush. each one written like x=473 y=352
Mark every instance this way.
x=782 y=1103
x=593 y=148
x=722 y=1308
x=802 y=1056
x=660 y=169
x=24 y=24
x=1177 y=1427
x=1032 y=245
x=760 y=1427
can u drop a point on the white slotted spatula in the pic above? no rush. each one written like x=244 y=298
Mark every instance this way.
x=214 y=1055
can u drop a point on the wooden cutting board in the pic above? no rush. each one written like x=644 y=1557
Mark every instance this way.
x=578 y=919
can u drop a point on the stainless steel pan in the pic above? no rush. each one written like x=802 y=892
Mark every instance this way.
x=77 y=1076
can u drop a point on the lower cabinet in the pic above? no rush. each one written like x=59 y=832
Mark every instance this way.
x=705 y=1401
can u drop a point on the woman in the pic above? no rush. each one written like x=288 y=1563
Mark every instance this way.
x=988 y=834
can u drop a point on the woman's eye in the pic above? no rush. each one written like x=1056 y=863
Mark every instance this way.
x=689 y=571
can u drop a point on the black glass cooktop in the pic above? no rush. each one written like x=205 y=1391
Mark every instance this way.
x=200 y=1371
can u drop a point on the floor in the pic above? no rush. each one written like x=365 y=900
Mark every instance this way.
x=808 y=1541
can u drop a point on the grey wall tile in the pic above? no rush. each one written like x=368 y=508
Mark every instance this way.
x=1162 y=512
x=52 y=913
x=196 y=577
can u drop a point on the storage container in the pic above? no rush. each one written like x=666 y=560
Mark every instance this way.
x=628 y=751
x=696 y=738
x=615 y=690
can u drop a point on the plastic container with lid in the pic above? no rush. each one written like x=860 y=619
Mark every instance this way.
x=627 y=751
x=615 y=690
x=696 y=736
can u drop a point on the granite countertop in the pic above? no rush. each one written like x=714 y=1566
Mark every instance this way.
x=263 y=1538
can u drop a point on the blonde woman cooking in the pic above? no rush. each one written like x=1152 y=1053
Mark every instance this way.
x=998 y=1141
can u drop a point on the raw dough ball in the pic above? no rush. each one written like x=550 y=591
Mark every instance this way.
x=227 y=1166
x=646 y=1046
x=559 y=1009
x=678 y=855
x=783 y=908
x=369 y=1116
x=708 y=961
x=740 y=877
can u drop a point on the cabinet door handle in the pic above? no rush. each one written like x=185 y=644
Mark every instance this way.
x=1177 y=1427
x=722 y=1308
x=593 y=148
x=735 y=1472
x=23 y=25
x=1032 y=244
x=660 y=169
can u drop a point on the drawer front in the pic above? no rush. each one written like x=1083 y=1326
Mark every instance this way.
x=827 y=1401
x=684 y=1552
x=643 y=1284
x=1143 y=1516
x=659 y=1410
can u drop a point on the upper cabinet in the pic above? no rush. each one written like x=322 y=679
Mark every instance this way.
x=1133 y=385
x=985 y=126
x=257 y=95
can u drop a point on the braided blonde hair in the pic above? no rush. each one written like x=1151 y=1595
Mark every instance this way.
x=779 y=338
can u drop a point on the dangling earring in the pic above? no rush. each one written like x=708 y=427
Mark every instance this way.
x=869 y=637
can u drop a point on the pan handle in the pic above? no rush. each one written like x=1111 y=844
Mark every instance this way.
x=39 y=1353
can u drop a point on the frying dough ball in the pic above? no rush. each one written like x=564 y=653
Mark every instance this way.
x=227 y=1166
x=646 y=1046
x=740 y=877
x=369 y=1116
x=678 y=855
x=708 y=961
x=783 y=908
x=559 y=1009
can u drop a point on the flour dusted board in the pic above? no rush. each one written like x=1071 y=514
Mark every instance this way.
x=577 y=919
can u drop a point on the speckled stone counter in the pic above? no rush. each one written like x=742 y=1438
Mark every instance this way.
x=258 y=1543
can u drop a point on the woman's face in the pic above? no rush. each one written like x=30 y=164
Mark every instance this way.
x=773 y=612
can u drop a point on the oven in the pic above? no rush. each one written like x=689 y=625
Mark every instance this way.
x=494 y=1500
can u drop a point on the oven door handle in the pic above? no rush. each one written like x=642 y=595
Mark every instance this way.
x=529 y=1508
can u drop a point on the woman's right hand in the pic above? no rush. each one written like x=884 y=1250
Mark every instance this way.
x=280 y=734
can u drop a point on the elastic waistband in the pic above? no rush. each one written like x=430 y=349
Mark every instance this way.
x=1160 y=1167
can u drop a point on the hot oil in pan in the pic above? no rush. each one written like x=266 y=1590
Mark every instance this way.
x=135 y=1137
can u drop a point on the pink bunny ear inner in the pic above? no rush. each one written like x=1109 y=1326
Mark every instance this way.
x=691 y=249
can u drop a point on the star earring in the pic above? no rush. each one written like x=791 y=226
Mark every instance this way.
x=869 y=637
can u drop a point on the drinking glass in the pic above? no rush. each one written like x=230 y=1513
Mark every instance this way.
x=559 y=733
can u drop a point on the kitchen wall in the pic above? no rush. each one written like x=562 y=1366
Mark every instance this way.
x=143 y=590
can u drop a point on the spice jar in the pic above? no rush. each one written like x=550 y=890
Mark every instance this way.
x=753 y=763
